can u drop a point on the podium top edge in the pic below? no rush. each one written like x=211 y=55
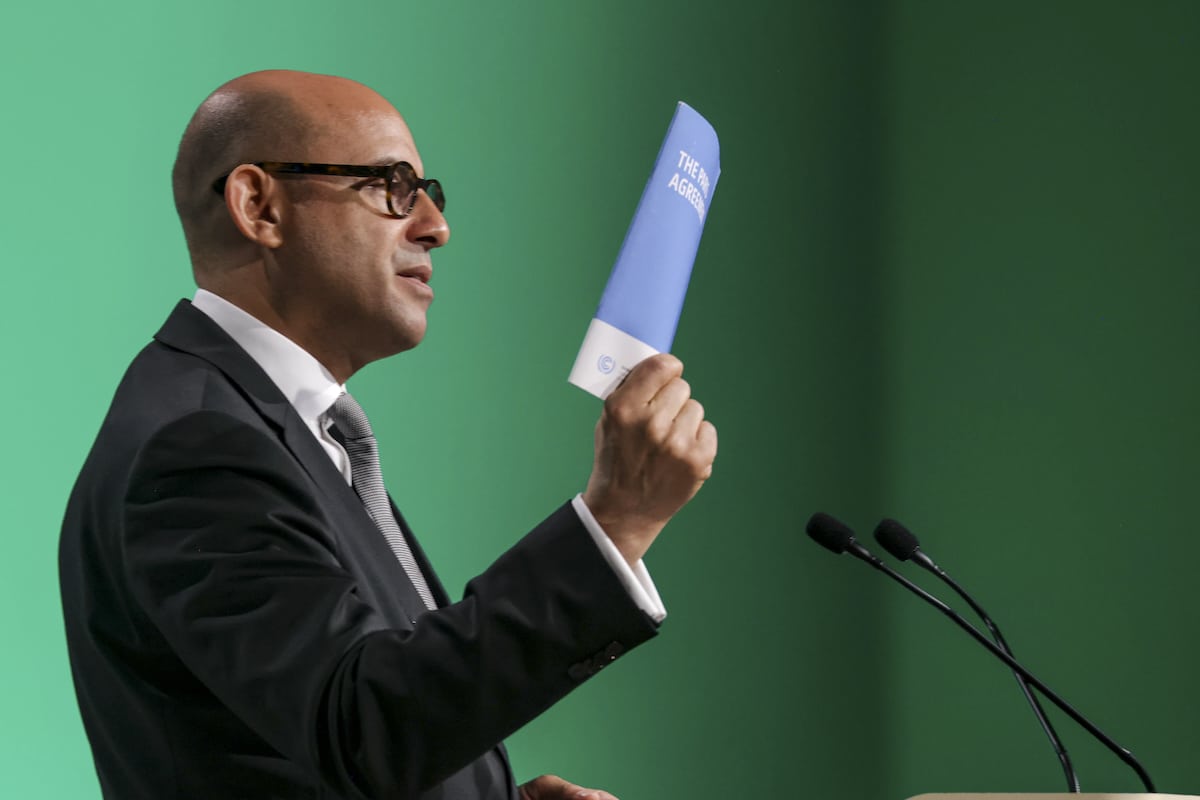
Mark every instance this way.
x=1050 y=796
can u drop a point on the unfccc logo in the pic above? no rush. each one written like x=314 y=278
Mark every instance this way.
x=605 y=364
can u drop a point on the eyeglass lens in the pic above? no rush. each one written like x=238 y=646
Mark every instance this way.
x=404 y=187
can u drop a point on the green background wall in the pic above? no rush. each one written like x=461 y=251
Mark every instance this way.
x=950 y=275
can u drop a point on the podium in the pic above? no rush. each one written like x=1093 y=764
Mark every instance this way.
x=1051 y=796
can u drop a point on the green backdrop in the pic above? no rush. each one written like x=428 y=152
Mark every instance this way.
x=950 y=275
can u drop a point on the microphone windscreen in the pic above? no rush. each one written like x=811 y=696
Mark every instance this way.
x=896 y=539
x=829 y=532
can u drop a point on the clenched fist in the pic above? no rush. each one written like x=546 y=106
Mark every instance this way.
x=654 y=449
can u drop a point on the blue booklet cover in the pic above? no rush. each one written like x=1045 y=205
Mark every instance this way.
x=639 y=310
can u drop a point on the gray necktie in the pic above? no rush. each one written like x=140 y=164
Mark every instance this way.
x=352 y=424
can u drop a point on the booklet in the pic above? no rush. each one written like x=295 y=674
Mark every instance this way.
x=639 y=310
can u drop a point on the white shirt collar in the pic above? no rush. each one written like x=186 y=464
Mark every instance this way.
x=302 y=379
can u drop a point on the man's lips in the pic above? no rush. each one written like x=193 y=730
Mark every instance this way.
x=421 y=272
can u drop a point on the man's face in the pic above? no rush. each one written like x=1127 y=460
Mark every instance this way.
x=352 y=279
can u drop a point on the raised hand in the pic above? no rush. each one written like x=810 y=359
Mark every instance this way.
x=654 y=450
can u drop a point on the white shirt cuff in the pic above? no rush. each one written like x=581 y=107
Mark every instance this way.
x=635 y=579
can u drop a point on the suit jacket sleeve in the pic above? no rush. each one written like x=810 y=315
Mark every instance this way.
x=231 y=555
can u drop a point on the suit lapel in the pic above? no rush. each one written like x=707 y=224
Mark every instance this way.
x=192 y=331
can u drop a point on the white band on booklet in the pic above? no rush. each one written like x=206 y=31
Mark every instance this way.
x=605 y=358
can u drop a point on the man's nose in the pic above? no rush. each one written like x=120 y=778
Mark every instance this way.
x=427 y=225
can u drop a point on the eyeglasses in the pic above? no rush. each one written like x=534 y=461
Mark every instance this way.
x=402 y=181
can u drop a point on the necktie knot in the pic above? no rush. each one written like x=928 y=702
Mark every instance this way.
x=349 y=417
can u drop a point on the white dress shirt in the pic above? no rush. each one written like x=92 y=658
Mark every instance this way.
x=311 y=390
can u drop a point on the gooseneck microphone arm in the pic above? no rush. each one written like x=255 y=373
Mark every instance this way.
x=833 y=535
x=903 y=545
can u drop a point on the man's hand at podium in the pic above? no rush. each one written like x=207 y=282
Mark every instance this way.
x=552 y=787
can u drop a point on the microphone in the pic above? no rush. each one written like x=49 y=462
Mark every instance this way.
x=836 y=536
x=833 y=534
x=903 y=544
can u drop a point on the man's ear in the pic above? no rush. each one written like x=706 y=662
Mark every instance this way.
x=255 y=205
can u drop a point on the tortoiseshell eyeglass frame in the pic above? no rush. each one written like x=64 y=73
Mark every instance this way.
x=402 y=181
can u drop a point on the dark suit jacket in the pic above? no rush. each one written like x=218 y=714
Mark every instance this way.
x=239 y=628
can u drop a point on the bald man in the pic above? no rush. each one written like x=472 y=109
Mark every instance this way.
x=243 y=621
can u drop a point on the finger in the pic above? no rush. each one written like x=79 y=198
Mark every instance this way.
x=573 y=792
x=659 y=416
x=543 y=787
x=706 y=439
x=644 y=381
x=549 y=787
x=693 y=439
x=552 y=787
x=671 y=397
x=687 y=421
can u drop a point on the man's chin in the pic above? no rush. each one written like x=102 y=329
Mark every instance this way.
x=408 y=335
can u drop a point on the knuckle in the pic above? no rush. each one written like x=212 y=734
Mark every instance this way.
x=684 y=447
x=618 y=413
x=658 y=428
x=699 y=458
x=650 y=365
x=663 y=363
x=612 y=402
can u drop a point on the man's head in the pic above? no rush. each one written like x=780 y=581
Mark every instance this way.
x=318 y=257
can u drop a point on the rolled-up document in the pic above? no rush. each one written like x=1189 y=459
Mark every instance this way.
x=639 y=310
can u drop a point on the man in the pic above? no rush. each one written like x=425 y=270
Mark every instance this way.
x=246 y=617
